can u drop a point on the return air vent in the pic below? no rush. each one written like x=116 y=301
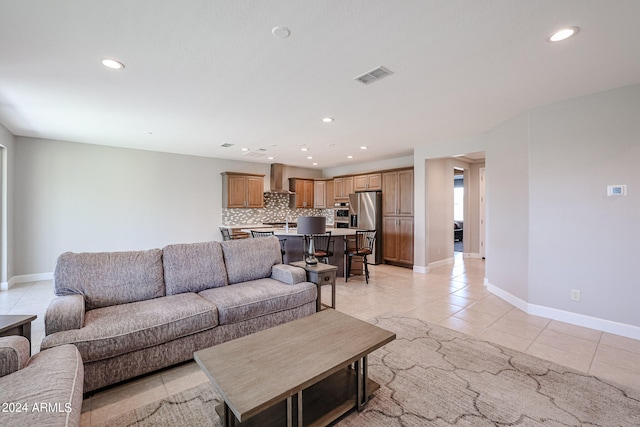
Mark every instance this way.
x=373 y=75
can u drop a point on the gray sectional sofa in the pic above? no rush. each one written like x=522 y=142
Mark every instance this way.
x=43 y=390
x=130 y=313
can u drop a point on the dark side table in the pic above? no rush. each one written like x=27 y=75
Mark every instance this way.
x=11 y=324
x=321 y=274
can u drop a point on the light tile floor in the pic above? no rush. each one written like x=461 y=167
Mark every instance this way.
x=452 y=296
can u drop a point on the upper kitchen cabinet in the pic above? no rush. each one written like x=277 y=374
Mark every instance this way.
x=242 y=190
x=397 y=193
x=371 y=182
x=342 y=187
x=323 y=197
x=304 y=189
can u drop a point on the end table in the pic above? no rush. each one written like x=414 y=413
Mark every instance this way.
x=16 y=325
x=321 y=274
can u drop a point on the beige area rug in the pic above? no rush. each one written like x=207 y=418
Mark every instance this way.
x=433 y=376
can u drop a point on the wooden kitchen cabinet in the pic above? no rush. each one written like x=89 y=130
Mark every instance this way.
x=397 y=193
x=304 y=189
x=371 y=182
x=242 y=190
x=323 y=194
x=342 y=187
x=397 y=238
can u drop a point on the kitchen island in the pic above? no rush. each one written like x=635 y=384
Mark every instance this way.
x=294 y=245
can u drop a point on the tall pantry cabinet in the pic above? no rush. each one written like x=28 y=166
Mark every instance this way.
x=397 y=218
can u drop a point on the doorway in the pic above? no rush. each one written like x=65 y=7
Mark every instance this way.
x=458 y=209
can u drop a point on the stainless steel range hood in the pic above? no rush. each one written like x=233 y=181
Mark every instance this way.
x=279 y=181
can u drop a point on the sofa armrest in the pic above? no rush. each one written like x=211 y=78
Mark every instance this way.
x=64 y=313
x=14 y=354
x=288 y=274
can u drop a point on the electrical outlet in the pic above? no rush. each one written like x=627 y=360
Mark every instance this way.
x=575 y=295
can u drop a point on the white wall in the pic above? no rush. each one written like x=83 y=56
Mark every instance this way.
x=81 y=197
x=7 y=140
x=580 y=238
x=507 y=206
x=439 y=202
x=357 y=168
x=550 y=226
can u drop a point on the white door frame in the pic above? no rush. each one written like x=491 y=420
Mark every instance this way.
x=482 y=215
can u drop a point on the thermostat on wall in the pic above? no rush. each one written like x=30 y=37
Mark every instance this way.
x=616 y=190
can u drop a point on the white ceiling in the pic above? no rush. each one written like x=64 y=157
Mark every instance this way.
x=202 y=73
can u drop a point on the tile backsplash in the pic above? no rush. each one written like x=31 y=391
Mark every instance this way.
x=276 y=209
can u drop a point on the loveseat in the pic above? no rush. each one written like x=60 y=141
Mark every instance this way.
x=130 y=313
x=43 y=390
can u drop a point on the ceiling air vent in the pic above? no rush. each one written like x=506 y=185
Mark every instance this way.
x=373 y=75
x=258 y=153
x=226 y=145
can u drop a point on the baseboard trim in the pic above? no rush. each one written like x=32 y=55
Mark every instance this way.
x=26 y=278
x=604 y=325
x=420 y=269
x=440 y=263
x=472 y=255
x=511 y=299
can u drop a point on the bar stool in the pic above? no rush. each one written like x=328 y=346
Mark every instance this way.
x=365 y=240
x=322 y=243
x=226 y=234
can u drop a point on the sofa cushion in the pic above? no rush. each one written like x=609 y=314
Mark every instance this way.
x=110 y=278
x=193 y=267
x=250 y=259
x=247 y=300
x=119 y=329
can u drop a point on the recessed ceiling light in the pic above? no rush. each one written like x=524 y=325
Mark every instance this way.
x=315 y=163
x=149 y=132
x=563 y=34
x=309 y=157
x=281 y=32
x=113 y=64
x=270 y=157
x=327 y=119
x=349 y=157
x=304 y=149
x=245 y=149
x=364 y=147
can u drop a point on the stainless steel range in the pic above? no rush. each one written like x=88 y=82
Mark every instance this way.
x=341 y=215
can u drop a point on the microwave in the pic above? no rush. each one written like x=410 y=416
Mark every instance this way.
x=341 y=213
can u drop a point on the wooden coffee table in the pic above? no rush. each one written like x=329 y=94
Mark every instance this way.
x=314 y=367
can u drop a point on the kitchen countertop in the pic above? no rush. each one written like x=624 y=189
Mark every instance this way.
x=294 y=231
x=254 y=226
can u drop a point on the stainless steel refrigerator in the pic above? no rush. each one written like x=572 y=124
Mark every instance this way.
x=365 y=213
